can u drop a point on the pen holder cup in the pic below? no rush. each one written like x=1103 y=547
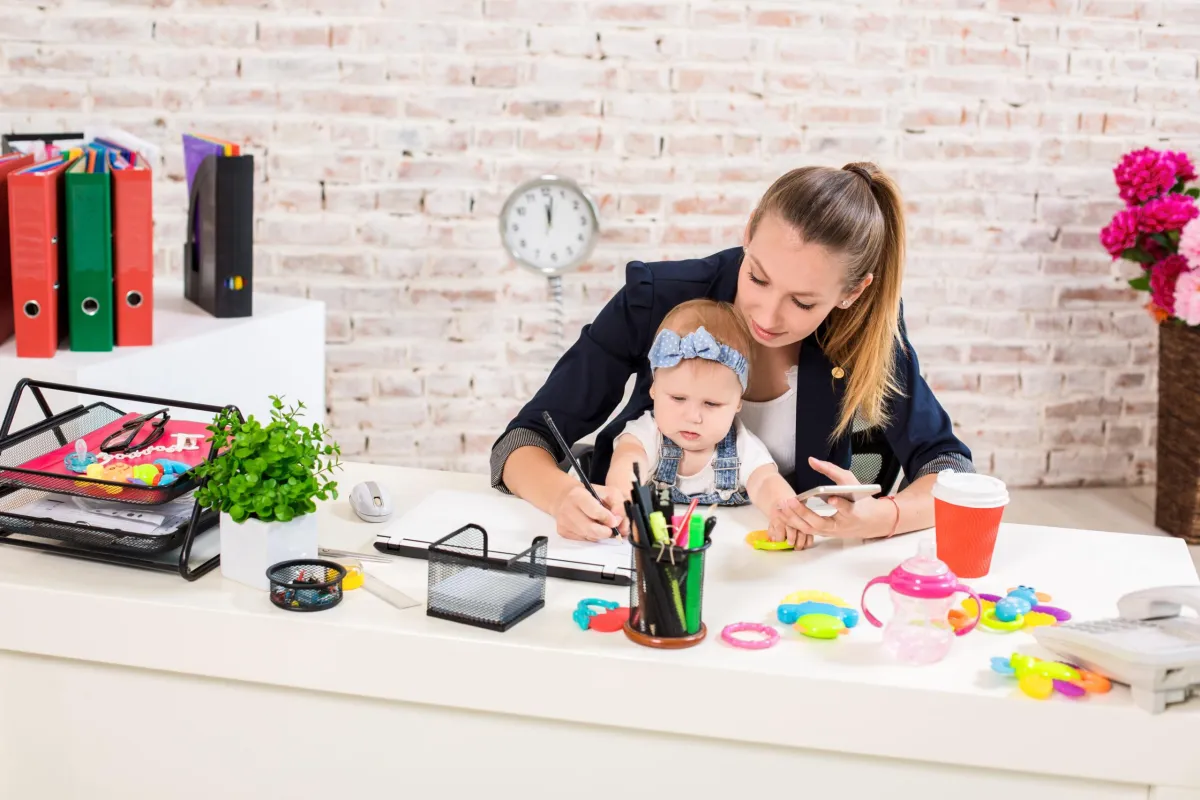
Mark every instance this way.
x=306 y=584
x=494 y=592
x=666 y=596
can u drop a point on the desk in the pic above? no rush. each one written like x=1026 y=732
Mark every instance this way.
x=122 y=684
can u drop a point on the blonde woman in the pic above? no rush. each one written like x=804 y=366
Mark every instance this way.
x=817 y=279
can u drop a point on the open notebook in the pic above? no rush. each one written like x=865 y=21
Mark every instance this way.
x=511 y=526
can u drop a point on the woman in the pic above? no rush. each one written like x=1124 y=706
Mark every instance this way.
x=818 y=280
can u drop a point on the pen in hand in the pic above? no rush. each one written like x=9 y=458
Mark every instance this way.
x=575 y=464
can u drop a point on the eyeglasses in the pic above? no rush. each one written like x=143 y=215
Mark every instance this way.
x=123 y=440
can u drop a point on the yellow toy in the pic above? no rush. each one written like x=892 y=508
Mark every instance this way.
x=759 y=541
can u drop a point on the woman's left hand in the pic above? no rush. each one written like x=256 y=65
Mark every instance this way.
x=867 y=518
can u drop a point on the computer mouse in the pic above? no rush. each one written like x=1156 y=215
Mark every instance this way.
x=371 y=502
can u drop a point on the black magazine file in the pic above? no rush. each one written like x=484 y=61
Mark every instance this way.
x=218 y=258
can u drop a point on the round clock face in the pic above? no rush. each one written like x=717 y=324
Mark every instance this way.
x=549 y=225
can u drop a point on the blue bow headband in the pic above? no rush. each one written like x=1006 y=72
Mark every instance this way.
x=670 y=348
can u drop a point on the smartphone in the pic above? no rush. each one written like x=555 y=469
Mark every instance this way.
x=849 y=492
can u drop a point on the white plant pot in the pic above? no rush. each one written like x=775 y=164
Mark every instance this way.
x=249 y=548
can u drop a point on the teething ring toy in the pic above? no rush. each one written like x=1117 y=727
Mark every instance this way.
x=988 y=620
x=583 y=612
x=759 y=541
x=771 y=635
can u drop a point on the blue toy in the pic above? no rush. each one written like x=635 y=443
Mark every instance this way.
x=583 y=612
x=1016 y=603
x=788 y=613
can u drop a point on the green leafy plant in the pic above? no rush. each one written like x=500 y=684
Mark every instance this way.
x=273 y=472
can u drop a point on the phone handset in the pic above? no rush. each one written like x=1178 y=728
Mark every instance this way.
x=1159 y=602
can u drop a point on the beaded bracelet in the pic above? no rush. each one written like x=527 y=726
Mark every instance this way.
x=771 y=635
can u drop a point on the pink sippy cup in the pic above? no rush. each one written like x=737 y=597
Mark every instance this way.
x=923 y=590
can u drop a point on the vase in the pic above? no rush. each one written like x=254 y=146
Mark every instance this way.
x=250 y=548
x=1177 y=493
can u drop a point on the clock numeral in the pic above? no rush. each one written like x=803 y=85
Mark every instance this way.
x=522 y=243
x=575 y=205
x=514 y=226
x=570 y=250
x=520 y=211
x=580 y=237
x=554 y=256
x=583 y=220
x=537 y=253
x=562 y=193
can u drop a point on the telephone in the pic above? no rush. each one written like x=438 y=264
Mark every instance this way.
x=1149 y=647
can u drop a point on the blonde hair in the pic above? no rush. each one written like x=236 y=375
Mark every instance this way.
x=855 y=212
x=718 y=318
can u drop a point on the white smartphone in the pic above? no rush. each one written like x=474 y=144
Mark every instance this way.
x=849 y=492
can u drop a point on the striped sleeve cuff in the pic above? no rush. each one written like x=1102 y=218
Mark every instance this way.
x=517 y=437
x=952 y=461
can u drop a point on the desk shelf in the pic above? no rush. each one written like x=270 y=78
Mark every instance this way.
x=19 y=486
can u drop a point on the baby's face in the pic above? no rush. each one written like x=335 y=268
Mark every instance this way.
x=695 y=402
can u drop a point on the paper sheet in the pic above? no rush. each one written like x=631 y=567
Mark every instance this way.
x=160 y=520
x=511 y=525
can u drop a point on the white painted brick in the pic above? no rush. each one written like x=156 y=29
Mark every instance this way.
x=387 y=134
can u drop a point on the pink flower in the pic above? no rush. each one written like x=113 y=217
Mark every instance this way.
x=1187 y=297
x=1144 y=174
x=1184 y=169
x=1163 y=276
x=1168 y=213
x=1122 y=233
x=1189 y=243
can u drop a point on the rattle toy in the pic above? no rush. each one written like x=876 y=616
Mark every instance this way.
x=611 y=620
x=769 y=634
x=79 y=460
x=1040 y=679
x=759 y=541
x=1021 y=608
x=817 y=615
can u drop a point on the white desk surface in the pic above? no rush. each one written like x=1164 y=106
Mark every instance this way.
x=842 y=695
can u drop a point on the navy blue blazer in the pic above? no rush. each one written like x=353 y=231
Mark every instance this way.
x=589 y=380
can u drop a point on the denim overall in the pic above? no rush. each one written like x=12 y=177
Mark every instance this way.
x=725 y=470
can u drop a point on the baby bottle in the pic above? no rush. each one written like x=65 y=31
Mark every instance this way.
x=923 y=590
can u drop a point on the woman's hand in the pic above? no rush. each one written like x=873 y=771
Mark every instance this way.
x=867 y=518
x=578 y=516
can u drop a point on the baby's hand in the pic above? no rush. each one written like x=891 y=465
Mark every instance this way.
x=778 y=531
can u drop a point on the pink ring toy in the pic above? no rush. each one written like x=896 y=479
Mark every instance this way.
x=772 y=635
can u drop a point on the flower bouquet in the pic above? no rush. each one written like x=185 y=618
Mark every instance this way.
x=1159 y=229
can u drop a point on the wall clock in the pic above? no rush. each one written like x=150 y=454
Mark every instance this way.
x=550 y=226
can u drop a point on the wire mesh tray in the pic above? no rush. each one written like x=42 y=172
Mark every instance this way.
x=464 y=586
x=89 y=536
x=50 y=434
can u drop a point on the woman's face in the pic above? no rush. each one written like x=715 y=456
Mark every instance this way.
x=786 y=286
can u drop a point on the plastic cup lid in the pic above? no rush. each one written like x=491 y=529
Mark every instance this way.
x=970 y=489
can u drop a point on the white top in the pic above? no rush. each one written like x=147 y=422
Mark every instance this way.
x=844 y=696
x=752 y=454
x=774 y=422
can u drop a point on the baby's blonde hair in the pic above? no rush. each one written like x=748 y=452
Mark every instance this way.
x=718 y=318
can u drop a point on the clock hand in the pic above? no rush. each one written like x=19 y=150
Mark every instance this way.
x=550 y=214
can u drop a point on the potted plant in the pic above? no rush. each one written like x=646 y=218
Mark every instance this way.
x=1159 y=229
x=265 y=480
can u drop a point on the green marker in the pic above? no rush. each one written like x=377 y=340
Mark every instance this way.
x=695 y=565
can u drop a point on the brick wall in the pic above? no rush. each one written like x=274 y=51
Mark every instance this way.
x=387 y=133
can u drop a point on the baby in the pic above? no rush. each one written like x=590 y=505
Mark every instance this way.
x=692 y=441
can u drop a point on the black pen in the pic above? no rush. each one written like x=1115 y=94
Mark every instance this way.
x=574 y=463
